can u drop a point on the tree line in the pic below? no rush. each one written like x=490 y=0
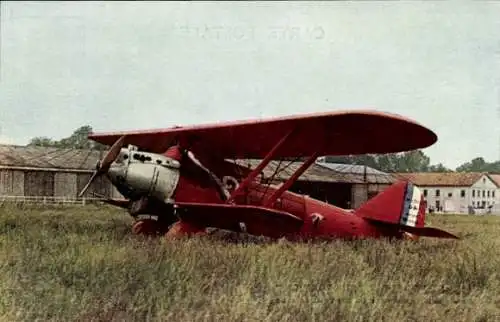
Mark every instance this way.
x=414 y=161
x=77 y=140
x=411 y=161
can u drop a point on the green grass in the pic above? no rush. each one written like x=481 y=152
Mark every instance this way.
x=82 y=264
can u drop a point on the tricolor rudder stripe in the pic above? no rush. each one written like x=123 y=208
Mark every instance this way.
x=411 y=206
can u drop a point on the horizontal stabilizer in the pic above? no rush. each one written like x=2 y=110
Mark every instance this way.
x=258 y=221
x=428 y=232
x=417 y=231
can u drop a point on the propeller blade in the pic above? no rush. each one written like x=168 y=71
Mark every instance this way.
x=103 y=166
x=94 y=175
x=112 y=154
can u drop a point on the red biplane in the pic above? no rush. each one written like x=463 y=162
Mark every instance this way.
x=182 y=179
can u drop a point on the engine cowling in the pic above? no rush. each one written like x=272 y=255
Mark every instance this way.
x=152 y=180
x=138 y=175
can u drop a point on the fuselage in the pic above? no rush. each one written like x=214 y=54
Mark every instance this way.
x=163 y=179
x=321 y=220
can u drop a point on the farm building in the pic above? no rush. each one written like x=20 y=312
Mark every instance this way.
x=457 y=192
x=40 y=172
x=49 y=173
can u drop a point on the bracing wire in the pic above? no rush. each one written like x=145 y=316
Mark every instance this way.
x=277 y=170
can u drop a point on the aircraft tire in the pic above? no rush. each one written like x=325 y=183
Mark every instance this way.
x=148 y=227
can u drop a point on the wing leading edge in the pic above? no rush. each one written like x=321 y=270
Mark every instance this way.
x=334 y=133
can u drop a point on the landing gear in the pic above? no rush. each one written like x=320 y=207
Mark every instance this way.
x=151 y=217
x=149 y=226
x=146 y=227
x=182 y=229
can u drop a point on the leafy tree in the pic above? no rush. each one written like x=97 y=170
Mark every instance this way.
x=77 y=140
x=480 y=165
x=439 y=168
x=413 y=161
x=42 y=141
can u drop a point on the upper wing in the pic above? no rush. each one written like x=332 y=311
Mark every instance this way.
x=334 y=133
x=258 y=221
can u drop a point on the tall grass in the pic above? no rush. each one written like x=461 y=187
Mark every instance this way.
x=82 y=264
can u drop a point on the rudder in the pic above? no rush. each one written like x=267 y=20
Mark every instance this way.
x=402 y=203
x=402 y=207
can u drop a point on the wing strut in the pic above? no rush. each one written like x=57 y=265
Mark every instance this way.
x=255 y=172
x=287 y=184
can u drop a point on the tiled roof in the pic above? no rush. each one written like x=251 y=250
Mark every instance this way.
x=457 y=179
x=495 y=178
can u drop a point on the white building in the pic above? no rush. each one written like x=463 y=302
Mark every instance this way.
x=457 y=192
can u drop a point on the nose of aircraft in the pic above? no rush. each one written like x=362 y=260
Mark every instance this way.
x=117 y=173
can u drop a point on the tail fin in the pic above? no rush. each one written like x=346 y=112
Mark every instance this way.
x=401 y=205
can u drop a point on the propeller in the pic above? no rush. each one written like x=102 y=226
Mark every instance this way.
x=103 y=165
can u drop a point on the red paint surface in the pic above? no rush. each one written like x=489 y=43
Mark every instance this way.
x=378 y=217
x=333 y=133
x=288 y=214
x=174 y=152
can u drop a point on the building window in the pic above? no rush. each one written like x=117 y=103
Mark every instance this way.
x=493 y=193
x=425 y=192
x=450 y=195
x=488 y=193
x=484 y=180
x=483 y=204
x=438 y=193
x=484 y=193
x=473 y=193
x=462 y=193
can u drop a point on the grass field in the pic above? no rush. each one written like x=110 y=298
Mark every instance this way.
x=82 y=264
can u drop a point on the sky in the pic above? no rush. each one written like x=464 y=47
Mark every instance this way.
x=141 y=65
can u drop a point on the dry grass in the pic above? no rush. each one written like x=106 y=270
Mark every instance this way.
x=82 y=264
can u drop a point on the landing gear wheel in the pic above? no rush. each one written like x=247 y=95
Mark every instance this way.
x=150 y=227
x=146 y=227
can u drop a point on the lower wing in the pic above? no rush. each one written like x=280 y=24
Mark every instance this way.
x=253 y=220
